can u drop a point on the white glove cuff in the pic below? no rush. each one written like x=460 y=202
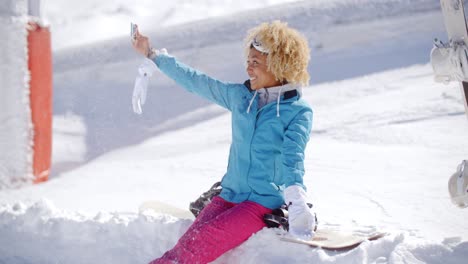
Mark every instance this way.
x=153 y=53
x=295 y=194
x=147 y=68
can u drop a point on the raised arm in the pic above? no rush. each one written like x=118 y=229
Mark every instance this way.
x=194 y=81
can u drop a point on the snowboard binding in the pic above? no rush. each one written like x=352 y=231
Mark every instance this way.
x=279 y=218
x=205 y=199
x=449 y=61
x=458 y=185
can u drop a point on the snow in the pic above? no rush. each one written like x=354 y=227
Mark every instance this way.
x=15 y=118
x=385 y=139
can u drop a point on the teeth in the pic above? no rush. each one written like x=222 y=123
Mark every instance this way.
x=253 y=78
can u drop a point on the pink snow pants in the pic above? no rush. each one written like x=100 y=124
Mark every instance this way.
x=219 y=227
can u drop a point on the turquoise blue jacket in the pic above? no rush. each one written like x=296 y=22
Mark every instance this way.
x=267 y=151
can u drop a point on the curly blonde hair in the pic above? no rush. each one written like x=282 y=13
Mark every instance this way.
x=289 y=52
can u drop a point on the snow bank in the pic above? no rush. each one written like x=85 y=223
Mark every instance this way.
x=40 y=233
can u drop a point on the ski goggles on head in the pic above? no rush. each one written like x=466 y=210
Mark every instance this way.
x=258 y=45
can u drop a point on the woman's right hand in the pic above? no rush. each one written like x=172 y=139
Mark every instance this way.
x=141 y=43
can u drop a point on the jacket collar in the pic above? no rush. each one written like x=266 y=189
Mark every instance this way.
x=274 y=93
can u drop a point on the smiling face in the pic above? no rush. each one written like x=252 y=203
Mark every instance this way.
x=257 y=70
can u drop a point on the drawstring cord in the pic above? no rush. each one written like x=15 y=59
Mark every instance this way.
x=278 y=102
x=278 y=99
x=251 y=101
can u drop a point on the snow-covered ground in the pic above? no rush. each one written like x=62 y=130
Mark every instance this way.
x=385 y=137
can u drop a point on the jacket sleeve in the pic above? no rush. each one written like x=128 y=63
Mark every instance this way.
x=195 y=81
x=296 y=136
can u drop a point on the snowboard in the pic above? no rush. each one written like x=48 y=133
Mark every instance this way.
x=457 y=31
x=334 y=240
x=164 y=208
x=324 y=238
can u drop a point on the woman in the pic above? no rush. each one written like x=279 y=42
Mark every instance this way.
x=270 y=129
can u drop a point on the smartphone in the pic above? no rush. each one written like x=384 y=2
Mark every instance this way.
x=133 y=30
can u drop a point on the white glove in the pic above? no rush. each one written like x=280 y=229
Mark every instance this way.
x=301 y=218
x=145 y=71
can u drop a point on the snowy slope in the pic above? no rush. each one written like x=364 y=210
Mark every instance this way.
x=384 y=142
x=340 y=39
x=100 y=20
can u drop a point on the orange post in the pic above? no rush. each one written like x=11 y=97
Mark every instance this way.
x=40 y=67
